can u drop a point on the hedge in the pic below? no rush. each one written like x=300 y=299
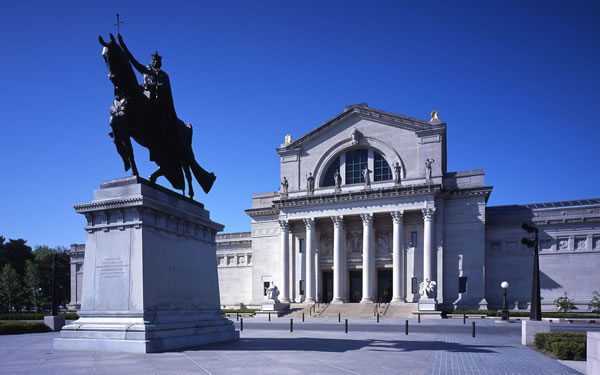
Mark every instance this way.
x=241 y=311
x=35 y=316
x=15 y=328
x=523 y=314
x=564 y=345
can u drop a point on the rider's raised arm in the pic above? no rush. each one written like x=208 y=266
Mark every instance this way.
x=140 y=68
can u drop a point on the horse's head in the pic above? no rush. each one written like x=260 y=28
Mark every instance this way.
x=120 y=71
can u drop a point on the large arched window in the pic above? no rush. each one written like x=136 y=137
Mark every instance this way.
x=354 y=162
x=382 y=170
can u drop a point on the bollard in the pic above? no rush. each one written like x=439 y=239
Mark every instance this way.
x=464 y=318
x=339 y=317
x=237 y=317
x=419 y=317
x=377 y=317
x=242 y=324
x=406 y=327
x=303 y=317
x=473 y=326
x=346 y=326
x=269 y=317
x=291 y=325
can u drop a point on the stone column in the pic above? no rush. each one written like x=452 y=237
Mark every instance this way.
x=427 y=242
x=398 y=258
x=368 y=259
x=338 y=250
x=284 y=280
x=309 y=293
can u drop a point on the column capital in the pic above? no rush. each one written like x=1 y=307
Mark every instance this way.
x=428 y=213
x=397 y=216
x=367 y=219
x=338 y=221
x=309 y=222
x=284 y=224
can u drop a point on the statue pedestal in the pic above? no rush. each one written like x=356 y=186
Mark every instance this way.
x=427 y=304
x=272 y=308
x=150 y=275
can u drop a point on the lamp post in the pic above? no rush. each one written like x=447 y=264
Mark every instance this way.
x=536 y=304
x=504 y=286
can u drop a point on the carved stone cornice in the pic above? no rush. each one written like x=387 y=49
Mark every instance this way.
x=266 y=211
x=397 y=216
x=284 y=225
x=483 y=191
x=391 y=192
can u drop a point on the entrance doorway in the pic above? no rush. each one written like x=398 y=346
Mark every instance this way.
x=327 y=286
x=384 y=285
x=355 y=286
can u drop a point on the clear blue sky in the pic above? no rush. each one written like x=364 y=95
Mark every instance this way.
x=517 y=83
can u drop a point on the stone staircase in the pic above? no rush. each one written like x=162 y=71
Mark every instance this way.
x=404 y=310
x=351 y=310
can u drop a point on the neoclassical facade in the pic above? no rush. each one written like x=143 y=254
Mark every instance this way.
x=367 y=212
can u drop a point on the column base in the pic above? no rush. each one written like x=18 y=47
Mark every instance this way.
x=284 y=300
x=337 y=300
x=366 y=300
x=309 y=300
x=397 y=300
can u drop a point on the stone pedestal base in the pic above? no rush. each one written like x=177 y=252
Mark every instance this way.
x=273 y=309
x=150 y=274
x=427 y=304
x=55 y=323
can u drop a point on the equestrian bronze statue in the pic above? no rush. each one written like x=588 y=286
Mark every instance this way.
x=146 y=113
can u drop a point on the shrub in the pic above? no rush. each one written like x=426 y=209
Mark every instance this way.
x=569 y=350
x=241 y=311
x=35 y=316
x=564 y=303
x=595 y=302
x=15 y=328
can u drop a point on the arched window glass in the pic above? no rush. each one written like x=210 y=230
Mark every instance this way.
x=328 y=180
x=356 y=161
x=382 y=170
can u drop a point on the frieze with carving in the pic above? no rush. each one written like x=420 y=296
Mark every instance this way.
x=326 y=244
x=383 y=242
x=354 y=241
x=563 y=244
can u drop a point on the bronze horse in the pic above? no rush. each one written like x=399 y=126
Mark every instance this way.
x=133 y=116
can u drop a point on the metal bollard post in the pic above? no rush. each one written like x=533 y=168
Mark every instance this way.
x=377 y=317
x=419 y=317
x=303 y=317
x=346 y=326
x=291 y=325
x=339 y=317
x=473 y=333
x=237 y=317
x=269 y=317
x=464 y=318
x=406 y=327
x=242 y=324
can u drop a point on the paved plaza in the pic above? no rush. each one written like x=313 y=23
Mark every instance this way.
x=317 y=346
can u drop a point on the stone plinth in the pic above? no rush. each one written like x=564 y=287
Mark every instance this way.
x=593 y=352
x=530 y=327
x=427 y=304
x=150 y=275
x=272 y=308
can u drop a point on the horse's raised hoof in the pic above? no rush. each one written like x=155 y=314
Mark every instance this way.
x=209 y=183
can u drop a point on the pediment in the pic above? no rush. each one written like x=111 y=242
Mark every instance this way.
x=362 y=111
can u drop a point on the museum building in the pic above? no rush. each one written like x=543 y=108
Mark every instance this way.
x=367 y=212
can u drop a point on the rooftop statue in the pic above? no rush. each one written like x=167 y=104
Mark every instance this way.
x=146 y=113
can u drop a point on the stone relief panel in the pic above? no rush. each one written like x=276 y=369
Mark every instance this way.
x=326 y=244
x=231 y=260
x=354 y=242
x=221 y=261
x=596 y=243
x=242 y=260
x=580 y=243
x=546 y=245
x=383 y=243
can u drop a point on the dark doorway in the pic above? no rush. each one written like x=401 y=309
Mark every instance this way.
x=355 y=286
x=384 y=285
x=327 y=286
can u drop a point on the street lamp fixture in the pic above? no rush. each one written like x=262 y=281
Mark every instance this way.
x=505 y=315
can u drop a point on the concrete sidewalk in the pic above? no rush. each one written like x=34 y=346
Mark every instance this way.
x=317 y=346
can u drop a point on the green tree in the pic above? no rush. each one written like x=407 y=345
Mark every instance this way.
x=43 y=258
x=33 y=285
x=10 y=287
x=15 y=253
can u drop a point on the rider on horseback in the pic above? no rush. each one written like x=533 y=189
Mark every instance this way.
x=157 y=87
